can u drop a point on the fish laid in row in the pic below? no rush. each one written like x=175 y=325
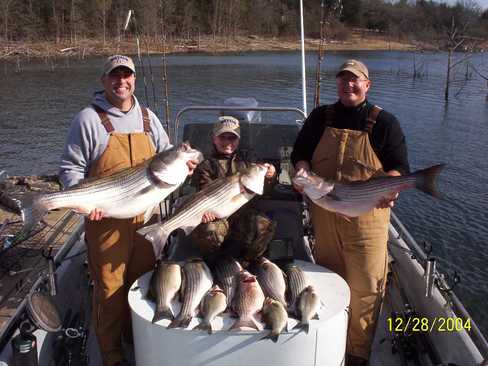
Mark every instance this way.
x=213 y=304
x=247 y=302
x=222 y=197
x=197 y=281
x=164 y=286
x=125 y=194
x=356 y=198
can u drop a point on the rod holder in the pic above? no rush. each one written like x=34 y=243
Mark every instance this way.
x=429 y=276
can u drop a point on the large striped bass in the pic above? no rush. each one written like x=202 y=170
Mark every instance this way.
x=125 y=194
x=356 y=198
x=221 y=197
x=197 y=281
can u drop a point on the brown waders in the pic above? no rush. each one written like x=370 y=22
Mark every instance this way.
x=355 y=249
x=117 y=256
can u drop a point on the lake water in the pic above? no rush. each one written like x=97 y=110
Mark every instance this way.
x=39 y=102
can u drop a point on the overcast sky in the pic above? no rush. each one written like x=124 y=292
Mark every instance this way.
x=482 y=3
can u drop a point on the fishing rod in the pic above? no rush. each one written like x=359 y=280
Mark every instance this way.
x=164 y=78
x=132 y=17
x=320 y=58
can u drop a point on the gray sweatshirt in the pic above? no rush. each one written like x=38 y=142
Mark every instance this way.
x=87 y=138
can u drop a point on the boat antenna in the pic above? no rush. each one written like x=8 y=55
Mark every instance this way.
x=304 y=80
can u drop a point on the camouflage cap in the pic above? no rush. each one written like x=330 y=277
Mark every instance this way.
x=227 y=124
x=356 y=67
x=115 y=61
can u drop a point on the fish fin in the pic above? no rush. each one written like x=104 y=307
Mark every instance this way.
x=175 y=323
x=316 y=316
x=163 y=314
x=303 y=327
x=333 y=196
x=207 y=327
x=185 y=321
x=426 y=179
x=156 y=235
x=32 y=211
x=270 y=335
x=247 y=323
x=148 y=214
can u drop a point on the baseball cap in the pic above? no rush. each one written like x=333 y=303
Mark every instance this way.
x=356 y=67
x=227 y=124
x=118 y=61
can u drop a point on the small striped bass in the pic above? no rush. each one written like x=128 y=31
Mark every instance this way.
x=356 y=198
x=222 y=197
x=123 y=195
x=165 y=284
x=214 y=303
x=297 y=282
x=197 y=281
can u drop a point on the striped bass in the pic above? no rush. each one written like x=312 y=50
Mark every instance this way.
x=225 y=271
x=165 y=284
x=125 y=194
x=214 y=303
x=197 y=281
x=275 y=317
x=297 y=282
x=271 y=279
x=356 y=198
x=222 y=197
x=308 y=306
x=247 y=302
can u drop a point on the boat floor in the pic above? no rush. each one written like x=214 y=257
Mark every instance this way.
x=23 y=263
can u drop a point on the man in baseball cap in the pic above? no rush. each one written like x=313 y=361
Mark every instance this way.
x=353 y=140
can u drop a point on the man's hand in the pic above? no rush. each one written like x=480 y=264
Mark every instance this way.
x=389 y=201
x=208 y=217
x=95 y=215
x=271 y=170
x=301 y=167
x=191 y=164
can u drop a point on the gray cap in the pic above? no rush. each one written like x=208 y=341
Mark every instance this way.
x=118 y=61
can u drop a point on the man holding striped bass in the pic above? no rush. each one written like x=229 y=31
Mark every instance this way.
x=353 y=140
x=112 y=134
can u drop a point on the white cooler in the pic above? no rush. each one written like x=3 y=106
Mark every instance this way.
x=324 y=345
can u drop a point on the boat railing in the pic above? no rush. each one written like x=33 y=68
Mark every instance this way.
x=458 y=307
x=234 y=108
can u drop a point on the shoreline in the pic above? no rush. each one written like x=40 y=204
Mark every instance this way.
x=12 y=51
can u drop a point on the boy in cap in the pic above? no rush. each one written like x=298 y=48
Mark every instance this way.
x=247 y=229
x=353 y=140
x=113 y=133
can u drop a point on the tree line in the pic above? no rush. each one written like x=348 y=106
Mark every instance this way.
x=74 y=20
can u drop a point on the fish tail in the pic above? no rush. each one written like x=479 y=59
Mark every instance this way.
x=303 y=327
x=165 y=313
x=273 y=336
x=426 y=179
x=32 y=211
x=205 y=326
x=180 y=322
x=247 y=323
x=156 y=235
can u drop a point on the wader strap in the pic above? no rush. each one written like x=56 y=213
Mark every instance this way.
x=104 y=119
x=145 y=119
x=371 y=120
